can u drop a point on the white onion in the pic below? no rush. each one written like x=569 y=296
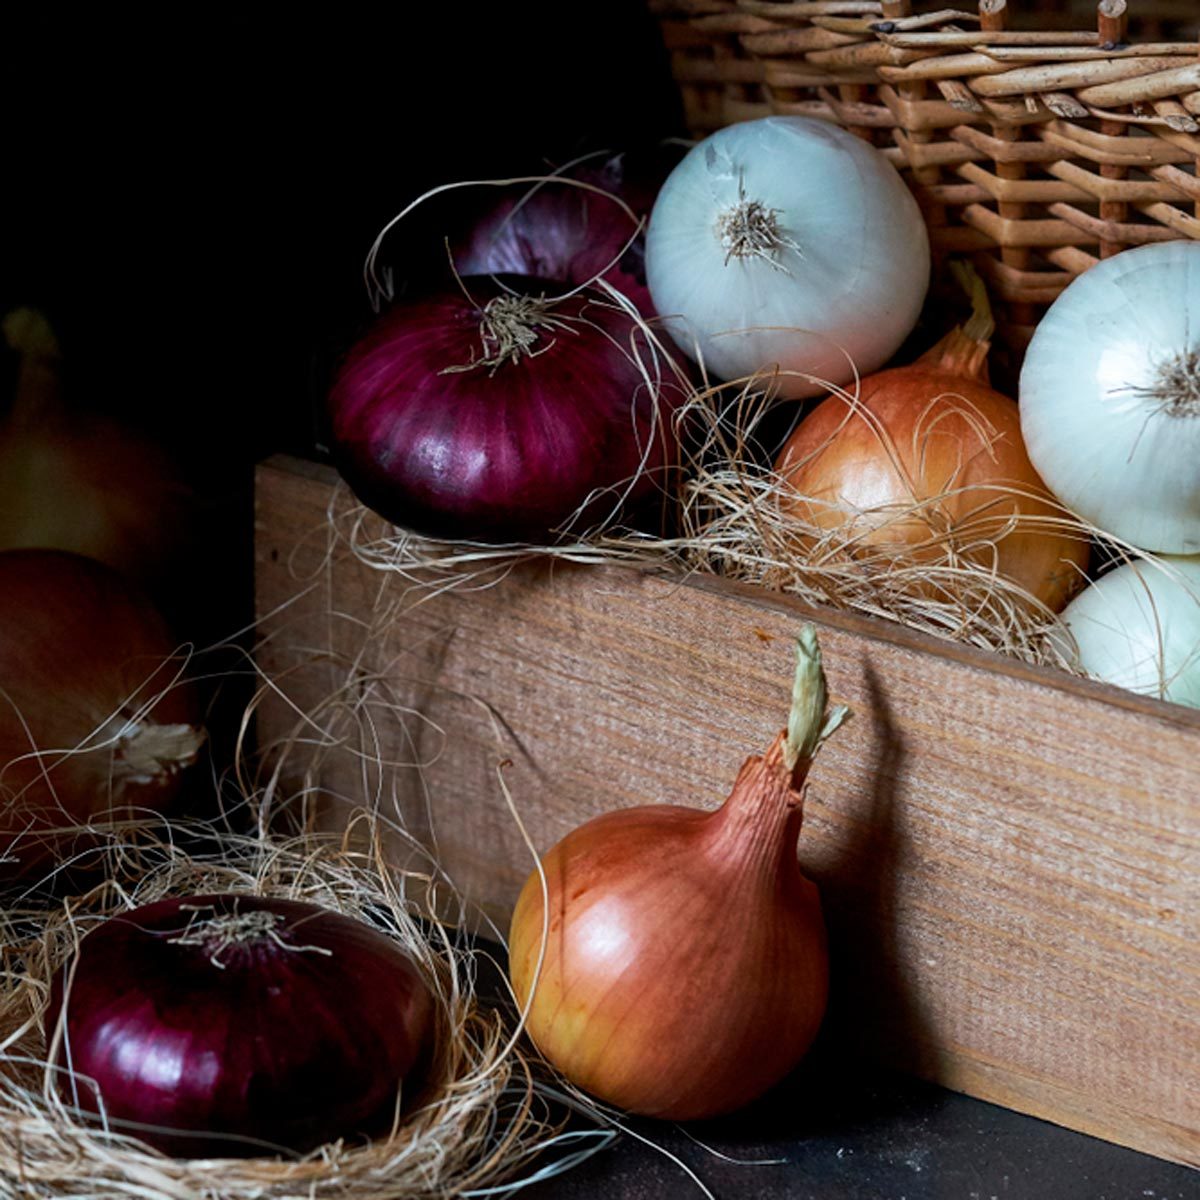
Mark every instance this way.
x=1139 y=627
x=787 y=241
x=1110 y=397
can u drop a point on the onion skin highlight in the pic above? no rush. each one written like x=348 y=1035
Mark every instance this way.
x=931 y=457
x=93 y=721
x=686 y=968
x=300 y=1037
x=506 y=451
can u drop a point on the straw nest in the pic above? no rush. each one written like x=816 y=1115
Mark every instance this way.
x=488 y=1125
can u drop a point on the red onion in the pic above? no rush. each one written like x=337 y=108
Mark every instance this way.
x=570 y=234
x=495 y=417
x=239 y=1025
x=93 y=720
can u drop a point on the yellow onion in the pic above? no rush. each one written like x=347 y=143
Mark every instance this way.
x=680 y=968
x=926 y=465
x=84 y=482
x=95 y=719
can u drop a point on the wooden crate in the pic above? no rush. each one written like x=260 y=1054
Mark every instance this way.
x=1010 y=857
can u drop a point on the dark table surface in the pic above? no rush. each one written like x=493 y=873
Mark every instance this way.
x=869 y=1135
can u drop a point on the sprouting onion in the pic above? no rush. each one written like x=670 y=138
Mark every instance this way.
x=674 y=961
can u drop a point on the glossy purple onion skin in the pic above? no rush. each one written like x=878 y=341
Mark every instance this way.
x=569 y=239
x=504 y=453
x=279 y=1049
x=565 y=233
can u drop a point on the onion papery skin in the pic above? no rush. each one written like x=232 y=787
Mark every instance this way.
x=94 y=721
x=1108 y=444
x=1138 y=627
x=837 y=297
x=503 y=453
x=927 y=462
x=686 y=968
x=298 y=1038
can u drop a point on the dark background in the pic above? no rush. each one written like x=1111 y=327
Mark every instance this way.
x=192 y=192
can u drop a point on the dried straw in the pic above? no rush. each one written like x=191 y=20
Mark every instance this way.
x=490 y=1122
x=736 y=518
x=732 y=516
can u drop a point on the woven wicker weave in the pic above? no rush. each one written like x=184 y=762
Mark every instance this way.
x=1033 y=144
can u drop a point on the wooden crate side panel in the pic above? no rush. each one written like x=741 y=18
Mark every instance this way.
x=1009 y=859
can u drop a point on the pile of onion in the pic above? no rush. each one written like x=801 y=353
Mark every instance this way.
x=673 y=961
x=925 y=464
x=507 y=409
x=236 y=1025
x=1110 y=409
x=95 y=719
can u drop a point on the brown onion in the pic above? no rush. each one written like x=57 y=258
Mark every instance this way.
x=927 y=464
x=93 y=719
x=685 y=967
x=84 y=481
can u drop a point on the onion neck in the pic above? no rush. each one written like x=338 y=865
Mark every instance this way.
x=36 y=400
x=757 y=827
x=964 y=350
x=755 y=831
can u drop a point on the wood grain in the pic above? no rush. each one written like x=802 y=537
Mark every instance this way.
x=1009 y=857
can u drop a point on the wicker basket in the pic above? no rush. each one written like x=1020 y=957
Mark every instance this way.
x=1033 y=144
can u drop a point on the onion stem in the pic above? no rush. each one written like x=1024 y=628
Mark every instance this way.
x=749 y=229
x=810 y=720
x=218 y=933
x=1176 y=392
x=964 y=350
x=981 y=324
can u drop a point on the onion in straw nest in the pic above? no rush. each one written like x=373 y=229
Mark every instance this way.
x=925 y=463
x=484 y=1118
